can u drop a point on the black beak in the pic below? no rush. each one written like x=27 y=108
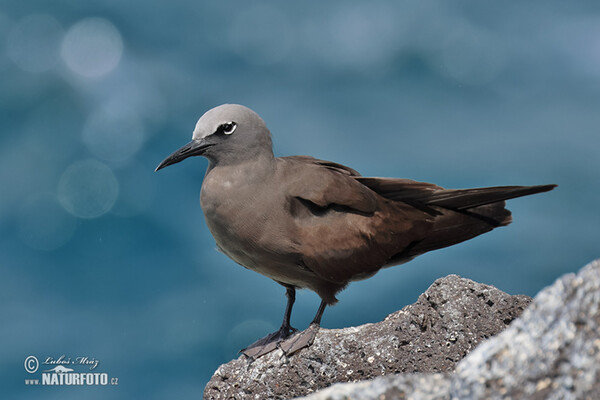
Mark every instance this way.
x=193 y=148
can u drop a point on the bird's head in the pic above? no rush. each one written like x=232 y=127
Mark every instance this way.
x=226 y=134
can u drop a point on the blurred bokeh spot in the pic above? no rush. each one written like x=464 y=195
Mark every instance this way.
x=88 y=189
x=92 y=47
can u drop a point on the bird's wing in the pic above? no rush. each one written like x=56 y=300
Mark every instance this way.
x=345 y=230
x=325 y=184
x=399 y=189
x=348 y=226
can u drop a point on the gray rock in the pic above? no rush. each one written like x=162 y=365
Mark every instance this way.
x=447 y=321
x=551 y=352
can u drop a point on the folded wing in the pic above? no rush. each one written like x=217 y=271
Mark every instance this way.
x=351 y=226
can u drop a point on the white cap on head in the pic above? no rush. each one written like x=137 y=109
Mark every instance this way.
x=224 y=114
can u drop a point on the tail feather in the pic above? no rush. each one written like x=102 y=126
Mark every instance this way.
x=458 y=199
x=458 y=214
x=454 y=227
x=464 y=199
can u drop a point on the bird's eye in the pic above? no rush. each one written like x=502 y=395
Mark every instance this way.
x=227 y=128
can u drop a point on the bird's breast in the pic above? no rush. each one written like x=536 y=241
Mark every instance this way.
x=246 y=221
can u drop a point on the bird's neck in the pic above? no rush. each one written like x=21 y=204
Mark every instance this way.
x=252 y=169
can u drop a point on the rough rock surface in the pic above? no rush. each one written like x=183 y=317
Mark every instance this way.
x=432 y=335
x=551 y=352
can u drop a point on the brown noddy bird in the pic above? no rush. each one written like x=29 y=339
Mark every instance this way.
x=314 y=224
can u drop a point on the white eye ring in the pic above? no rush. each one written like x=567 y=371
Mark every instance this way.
x=228 y=128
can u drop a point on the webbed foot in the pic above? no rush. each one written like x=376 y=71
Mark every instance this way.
x=268 y=343
x=299 y=340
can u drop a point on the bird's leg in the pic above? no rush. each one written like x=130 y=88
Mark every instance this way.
x=285 y=325
x=319 y=315
x=269 y=342
x=306 y=337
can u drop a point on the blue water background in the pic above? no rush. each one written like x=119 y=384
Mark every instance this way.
x=102 y=257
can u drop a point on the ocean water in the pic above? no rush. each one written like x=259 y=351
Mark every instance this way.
x=102 y=258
